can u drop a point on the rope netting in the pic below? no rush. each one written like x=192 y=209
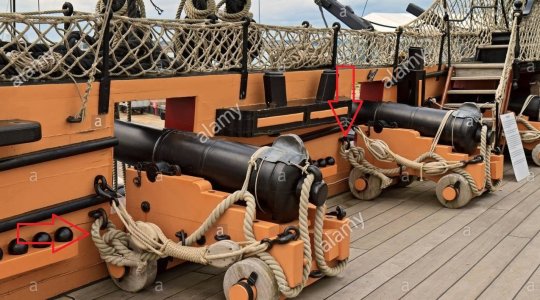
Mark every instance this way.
x=35 y=47
x=530 y=35
x=50 y=46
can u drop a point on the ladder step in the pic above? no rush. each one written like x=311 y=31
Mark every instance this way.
x=472 y=92
x=479 y=66
x=473 y=78
x=493 y=47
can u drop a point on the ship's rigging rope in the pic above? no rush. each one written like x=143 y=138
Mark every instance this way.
x=149 y=238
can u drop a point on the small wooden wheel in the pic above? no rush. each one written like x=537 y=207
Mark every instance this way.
x=454 y=191
x=238 y=283
x=136 y=280
x=364 y=186
x=536 y=155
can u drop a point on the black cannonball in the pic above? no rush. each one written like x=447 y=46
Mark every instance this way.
x=41 y=237
x=63 y=235
x=17 y=249
x=330 y=161
x=322 y=163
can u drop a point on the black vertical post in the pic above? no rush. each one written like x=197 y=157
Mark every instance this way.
x=396 y=51
x=448 y=33
x=505 y=15
x=337 y=27
x=441 y=52
x=105 y=82
x=245 y=60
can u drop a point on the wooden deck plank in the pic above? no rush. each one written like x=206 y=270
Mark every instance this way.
x=531 y=288
x=400 y=284
x=381 y=220
x=203 y=290
x=386 y=271
x=390 y=230
x=379 y=254
x=515 y=276
x=530 y=227
x=96 y=290
x=173 y=287
x=161 y=281
x=486 y=270
x=436 y=284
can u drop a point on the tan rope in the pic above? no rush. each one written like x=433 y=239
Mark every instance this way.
x=149 y=238
x=429 y=163
x=81 y=115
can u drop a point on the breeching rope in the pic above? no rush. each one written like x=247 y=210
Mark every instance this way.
x=193 y=12
x=428 y=164
x=532 y=134
x=148 y=237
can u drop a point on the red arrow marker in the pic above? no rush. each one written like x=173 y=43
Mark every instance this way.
x=55 y=220
x=344 y=131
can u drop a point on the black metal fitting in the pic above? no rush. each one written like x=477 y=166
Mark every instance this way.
x=145 y=206
x=340 y=213
x=104 y=190
x=316 y=274
x=201 y=241
x=337 y=28
x=252 y=279
x=291 y=233
x=476 y=160
x=68 y=10
x=245 y=53
x=222 y=237
x=100 y=213
x=306 y=24
x=182 y=236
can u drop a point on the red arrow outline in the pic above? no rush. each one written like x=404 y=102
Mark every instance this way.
x=54 y=217
x=354 y=100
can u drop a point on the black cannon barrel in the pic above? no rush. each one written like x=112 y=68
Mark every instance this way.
x=462 y=131
x=275 y=183
x=533 y=109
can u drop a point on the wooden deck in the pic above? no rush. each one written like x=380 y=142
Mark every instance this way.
x=408 y=247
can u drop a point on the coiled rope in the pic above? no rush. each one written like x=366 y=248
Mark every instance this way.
x=150 y=239
x=123 y=11
x=532 y=134
x=428 y=164
x=193 y=12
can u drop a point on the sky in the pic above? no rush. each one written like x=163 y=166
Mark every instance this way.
x=276 y=12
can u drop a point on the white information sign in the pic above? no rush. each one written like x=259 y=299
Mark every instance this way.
x=515 y=146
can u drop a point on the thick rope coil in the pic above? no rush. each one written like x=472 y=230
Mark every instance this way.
x=212 y=9
x=123 y=11
x=532 y=134
x=319 y=250
x=234 y=17
x=45 y=63
x=194 y=13
x=303 y=225
x=113 y=247
x=485 y=152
